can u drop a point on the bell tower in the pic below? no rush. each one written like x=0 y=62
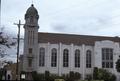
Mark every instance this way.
x=30 y=39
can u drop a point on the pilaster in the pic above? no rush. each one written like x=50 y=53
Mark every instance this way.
x=59 y=59
x=71 y=58
x=83 y=61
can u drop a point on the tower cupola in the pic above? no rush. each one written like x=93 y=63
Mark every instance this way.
x=31 y=12
x=31 y=16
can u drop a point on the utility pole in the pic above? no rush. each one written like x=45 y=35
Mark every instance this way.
x=18 y=41
x=0 y=13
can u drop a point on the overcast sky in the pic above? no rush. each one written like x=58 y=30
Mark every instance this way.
x=84 y=17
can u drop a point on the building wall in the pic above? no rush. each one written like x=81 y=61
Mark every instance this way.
x=96 y=57
x=106 y=44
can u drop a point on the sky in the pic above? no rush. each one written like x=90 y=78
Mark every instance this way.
x=83 y=17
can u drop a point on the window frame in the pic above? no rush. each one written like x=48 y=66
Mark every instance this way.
x=88 y=59
x=77 y=58
x=42 y=57
x=54 y=57
x=65 y=58
x=107 y=57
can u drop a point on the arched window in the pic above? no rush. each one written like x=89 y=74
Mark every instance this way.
x=54 y=57
x=65 y=58
x=42 y=57
x=88 y=59
x=77 y=58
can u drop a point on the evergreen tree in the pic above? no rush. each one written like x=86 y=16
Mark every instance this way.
x=118 y=65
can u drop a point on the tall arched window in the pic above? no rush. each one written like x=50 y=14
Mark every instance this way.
x=65 y=58
x=42 y=57
x=88 y=59
x=77 y=58
x=54 y=57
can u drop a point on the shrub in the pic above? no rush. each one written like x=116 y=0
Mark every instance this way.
x=102 y=74
x=37 y=77
x=77 y=75
x=88 y=77
x=73 y=76
x=47 y=75
x=95 y=73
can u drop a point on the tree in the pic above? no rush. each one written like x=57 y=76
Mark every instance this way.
x=5 y=41
x=118 y=65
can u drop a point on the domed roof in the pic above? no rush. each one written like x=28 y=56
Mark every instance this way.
x=31 y=11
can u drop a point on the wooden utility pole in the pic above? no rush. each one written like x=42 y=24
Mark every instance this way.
x=0 y=13
x=18 y=41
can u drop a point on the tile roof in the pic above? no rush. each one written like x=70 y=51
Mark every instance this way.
x=72 y=38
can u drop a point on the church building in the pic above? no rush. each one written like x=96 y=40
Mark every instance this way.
x=61 y=53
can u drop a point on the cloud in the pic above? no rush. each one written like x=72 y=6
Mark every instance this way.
x=62 y=15
x=59 y=27
x=93 y=17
